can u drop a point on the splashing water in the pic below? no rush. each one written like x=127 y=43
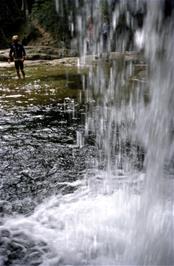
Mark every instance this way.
x=122 y=213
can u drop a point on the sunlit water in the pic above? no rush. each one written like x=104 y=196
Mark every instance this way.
x=120 y=209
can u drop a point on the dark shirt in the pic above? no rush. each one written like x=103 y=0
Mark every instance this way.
x=17 y=51
x=105 y=28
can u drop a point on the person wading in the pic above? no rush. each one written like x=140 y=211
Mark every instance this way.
x=17 y=54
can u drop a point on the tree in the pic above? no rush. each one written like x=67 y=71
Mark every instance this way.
x=11 y=18
x=44 y=11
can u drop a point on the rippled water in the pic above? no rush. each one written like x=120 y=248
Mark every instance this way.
x=50 y=185
x=41 y=152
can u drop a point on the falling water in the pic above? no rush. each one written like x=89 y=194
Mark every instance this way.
x=121 y=212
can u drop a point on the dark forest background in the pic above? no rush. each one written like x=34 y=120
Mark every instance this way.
x=38 y=23
x=35 y=21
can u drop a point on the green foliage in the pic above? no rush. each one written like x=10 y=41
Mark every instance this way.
x=105 y=8
x=43 y=11
x=45 y=14
x=11 y=18
x=14 y=19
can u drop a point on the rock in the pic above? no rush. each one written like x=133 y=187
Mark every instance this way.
x=4 y=55
x=5 y=207
x=41 y=53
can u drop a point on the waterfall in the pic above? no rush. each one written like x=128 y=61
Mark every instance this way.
x=120 y=123
x=121 y=212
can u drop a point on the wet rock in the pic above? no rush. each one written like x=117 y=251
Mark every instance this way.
x=19 y=249
x=41 y=53
x=5 y=208
x=16 y=250
x=5 y=233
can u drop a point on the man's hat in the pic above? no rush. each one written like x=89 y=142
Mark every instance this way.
x=15 y=38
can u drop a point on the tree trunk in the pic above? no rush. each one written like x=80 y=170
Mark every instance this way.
x=25 y=7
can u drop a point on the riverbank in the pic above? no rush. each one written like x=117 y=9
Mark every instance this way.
x=42 y=53
x=73 y=61
x=54 y=56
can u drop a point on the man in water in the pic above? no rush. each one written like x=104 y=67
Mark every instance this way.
x=105 y=34
x=17 y=54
